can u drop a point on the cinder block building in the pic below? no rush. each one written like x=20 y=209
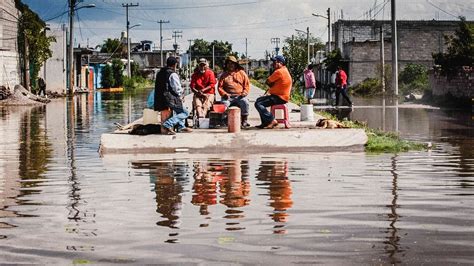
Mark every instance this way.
x=359 y=42
x=9 y=57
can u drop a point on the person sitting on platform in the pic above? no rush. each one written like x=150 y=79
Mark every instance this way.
x=279 y=92
x=168 y=94
x=234 y=86
x=202 y=85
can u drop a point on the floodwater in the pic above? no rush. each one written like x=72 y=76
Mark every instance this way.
x=61 y=203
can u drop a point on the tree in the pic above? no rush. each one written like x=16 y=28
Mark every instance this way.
x=107 y=80
x=295 y=50
x=117 y=70
x=114 y=46
x=460 y=50
x=203 y=49
x=33 y=44
x=333 y=60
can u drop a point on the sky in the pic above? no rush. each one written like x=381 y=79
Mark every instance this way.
x=235 y=21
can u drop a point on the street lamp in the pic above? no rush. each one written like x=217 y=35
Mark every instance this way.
x=329 y=26
x=129 y=71
x=72 y=9
x=307 y=40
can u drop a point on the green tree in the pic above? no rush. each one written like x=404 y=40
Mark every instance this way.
x=333 y=60
x=117 y=70
x=107 y=80
x=32 y=32
x=203 y=49
x=135 y=69
x=295 y=50
x=114 y=46
x=460 y=50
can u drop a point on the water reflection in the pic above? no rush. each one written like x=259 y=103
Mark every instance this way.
x=393 y=240
x=274 y=178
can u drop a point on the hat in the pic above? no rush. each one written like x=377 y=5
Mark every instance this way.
x=203 y=61
x=279 y=58
x=232 y=58
x=171 y=61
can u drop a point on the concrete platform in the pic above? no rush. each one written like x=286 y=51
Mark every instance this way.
x=302 y=136
x=251 y=141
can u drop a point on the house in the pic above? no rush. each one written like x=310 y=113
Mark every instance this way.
x=54 y=70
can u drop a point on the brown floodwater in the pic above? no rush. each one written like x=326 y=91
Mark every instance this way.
x=61 y=203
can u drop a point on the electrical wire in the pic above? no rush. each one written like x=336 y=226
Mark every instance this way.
x=440 y=9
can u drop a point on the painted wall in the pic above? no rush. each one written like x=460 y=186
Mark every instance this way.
x=9 y=57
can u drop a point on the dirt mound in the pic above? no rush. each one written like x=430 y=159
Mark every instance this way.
x=21 y=96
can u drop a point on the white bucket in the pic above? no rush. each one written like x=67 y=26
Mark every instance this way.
x=203 y=122
x=307 y=113
x=150 y=116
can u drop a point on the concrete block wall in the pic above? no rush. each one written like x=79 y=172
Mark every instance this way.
x=54 y=70
x=9 y=57
x=461 y=86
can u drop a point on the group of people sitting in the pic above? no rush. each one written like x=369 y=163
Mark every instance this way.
x=233 y=87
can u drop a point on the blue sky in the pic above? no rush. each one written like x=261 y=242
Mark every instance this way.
x=234 y=21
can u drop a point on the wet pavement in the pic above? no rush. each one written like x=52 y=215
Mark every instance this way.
x=62 y=203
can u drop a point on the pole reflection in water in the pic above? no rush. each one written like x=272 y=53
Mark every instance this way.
x=393 y=239
x=274 y=177
x=79 y=216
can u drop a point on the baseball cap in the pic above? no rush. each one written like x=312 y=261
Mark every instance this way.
x=279 y=58
x=171 y=61
x=203 y=61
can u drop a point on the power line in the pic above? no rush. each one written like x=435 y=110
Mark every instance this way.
x=440 y=9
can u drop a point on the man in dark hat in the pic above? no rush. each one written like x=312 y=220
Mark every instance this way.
x=279 y=92
x=234 y=86
x=168 y=93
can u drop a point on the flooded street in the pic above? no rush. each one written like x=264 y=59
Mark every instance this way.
x=61 y=203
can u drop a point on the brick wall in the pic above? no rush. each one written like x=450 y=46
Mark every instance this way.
x=461 y=86
x=9 y=58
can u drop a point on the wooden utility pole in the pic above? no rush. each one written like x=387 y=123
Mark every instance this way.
x=176 y=35
x=329 y=30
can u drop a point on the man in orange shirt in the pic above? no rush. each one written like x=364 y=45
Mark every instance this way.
x=234 y=86
x=279 y=93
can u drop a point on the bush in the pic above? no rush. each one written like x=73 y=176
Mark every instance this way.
x=107 y=77
x=413 y=79
x=117 y=70
x=260 y=73
x=368 y=87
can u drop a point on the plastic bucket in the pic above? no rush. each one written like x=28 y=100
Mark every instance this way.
x=307 y=113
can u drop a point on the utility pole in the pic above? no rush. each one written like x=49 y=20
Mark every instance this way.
x=328 y=17
x=382 y=58
x=394 y=49
x=129 y=72
x=329 y=30
x=161 y=40
x=176 y=34
x=247 y=56
x=276 y=41
x=72 y=5
x=213 y=57
x=307 y=42
x=190 y=58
